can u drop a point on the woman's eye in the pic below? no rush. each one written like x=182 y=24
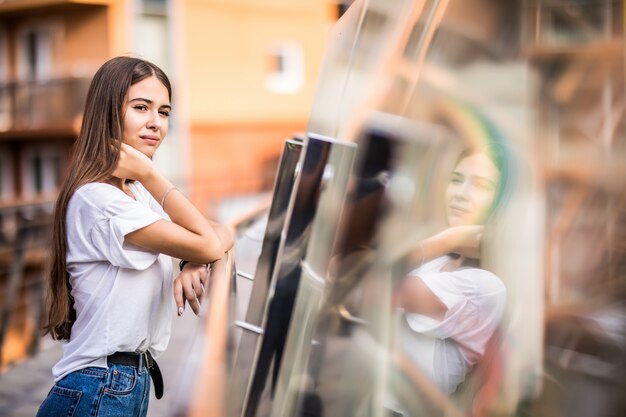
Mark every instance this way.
x=141 y=107
x=164 y=113
x=483 y=186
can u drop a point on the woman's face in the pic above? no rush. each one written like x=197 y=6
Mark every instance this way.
x=146 y=115
x=471 y=191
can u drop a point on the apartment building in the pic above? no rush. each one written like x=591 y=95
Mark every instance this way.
x=49 y=50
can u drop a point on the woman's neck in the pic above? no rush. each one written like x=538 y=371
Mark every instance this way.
x=461 y=262
x=118 y=182
x=122 y=185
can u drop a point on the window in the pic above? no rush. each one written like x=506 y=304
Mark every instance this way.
x=286 y=68
x=6 y=174
x=41 y=170
x=4 y=56
x=37 y=46
x=5 y=103
x=158 y=7
x=342 y=6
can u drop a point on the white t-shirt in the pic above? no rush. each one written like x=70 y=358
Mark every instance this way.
x=446 y=350
x=123 y=294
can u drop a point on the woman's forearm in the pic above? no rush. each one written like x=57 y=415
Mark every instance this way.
x=428 y=249
x=464 y=240
x=182 y=212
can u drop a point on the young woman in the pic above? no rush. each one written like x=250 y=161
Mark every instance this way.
x=117 y=222
x=452 y=306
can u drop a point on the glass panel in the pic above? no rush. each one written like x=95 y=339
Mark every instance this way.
x=320 y=172
x=264 y=275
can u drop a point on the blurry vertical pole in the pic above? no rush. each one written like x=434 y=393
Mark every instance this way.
x=251 y=328
x=581 y=135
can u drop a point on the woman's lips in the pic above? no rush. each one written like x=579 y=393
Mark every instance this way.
x=152 y=140
x=458 y=210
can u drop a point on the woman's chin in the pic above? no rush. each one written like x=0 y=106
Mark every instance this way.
x=149 y=152
x=454 y=221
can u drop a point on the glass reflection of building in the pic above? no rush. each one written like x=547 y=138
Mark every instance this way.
x=545 y=78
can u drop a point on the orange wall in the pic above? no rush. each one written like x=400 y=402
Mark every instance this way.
x=240 y=158
x=227 y=47
x=236 y=125
x=86 y=40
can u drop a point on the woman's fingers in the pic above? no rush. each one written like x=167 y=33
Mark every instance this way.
x=132 y=164
x=191 y=297
x=464 y=240
x=178 y=297
x=189 y=286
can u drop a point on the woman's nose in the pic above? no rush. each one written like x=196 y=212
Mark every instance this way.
x=154 y=122
x=461 y=191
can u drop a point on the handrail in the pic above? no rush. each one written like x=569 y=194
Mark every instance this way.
x=208 y=396
x=208 y=399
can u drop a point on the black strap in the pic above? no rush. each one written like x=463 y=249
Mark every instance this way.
x=157 y=377
x=182 y=264
x=137 y=359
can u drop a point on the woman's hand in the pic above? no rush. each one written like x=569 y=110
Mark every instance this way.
x=132 y=164
x=464 y=240
x=189 y=286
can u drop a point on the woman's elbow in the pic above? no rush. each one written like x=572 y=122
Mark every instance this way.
x=228 y=243
x=226 y=236
x=214 y=252
x=213 y=247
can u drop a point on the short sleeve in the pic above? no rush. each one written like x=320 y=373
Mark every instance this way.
x=118 y=215
x=461 y=314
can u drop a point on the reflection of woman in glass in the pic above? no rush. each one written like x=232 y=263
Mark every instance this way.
x=452 y=306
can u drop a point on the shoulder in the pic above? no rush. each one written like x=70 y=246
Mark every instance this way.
x=144 y=197
x=105 y=199
x=485 y=283
x=96 y=189
x=433 y=266
x=95 y=194
x=139 y=190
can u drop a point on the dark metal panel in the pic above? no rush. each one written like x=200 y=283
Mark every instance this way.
x=313 y=179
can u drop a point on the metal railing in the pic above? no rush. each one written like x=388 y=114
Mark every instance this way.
x=38 y=104
x=203 y=393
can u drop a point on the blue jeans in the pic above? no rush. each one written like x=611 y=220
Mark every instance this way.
x=119 y=390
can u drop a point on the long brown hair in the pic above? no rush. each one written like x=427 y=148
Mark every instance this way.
x=94 y=158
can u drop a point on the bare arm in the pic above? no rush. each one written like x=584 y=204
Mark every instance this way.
x=464 y=240
x=415 y=297
x=189 y=235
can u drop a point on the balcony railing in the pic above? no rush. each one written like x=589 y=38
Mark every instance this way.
x=41 y=104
